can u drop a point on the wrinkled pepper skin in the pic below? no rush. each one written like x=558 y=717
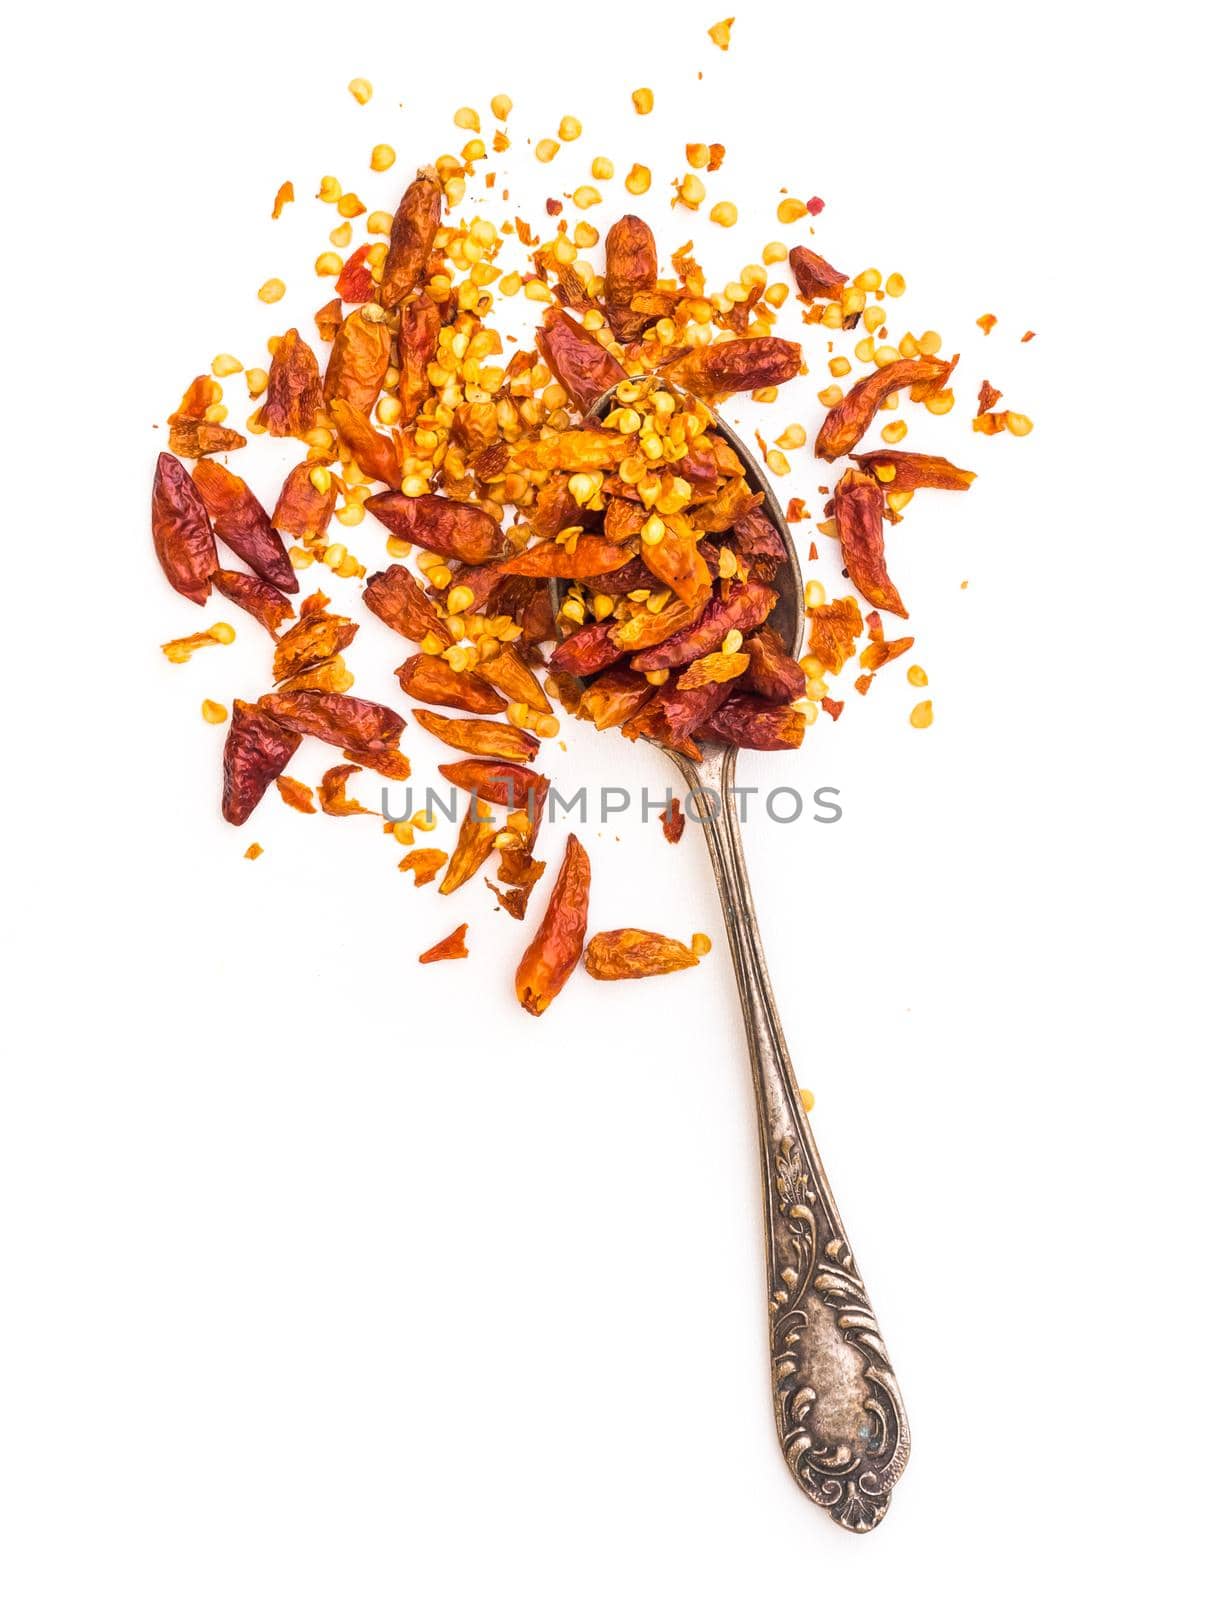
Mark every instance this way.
x=773 y=674
x=358 y=362
x=741 y=364
x=255 y=753
x=614 y=697
x=374 y=452
x=302 y=510
x=590 y=649
x=858 y=519
x=399 y=600
x=431 y=679
x=577 y=360
x=635 y=953
x=631 y=269
x=417 y=342
x=816 y=279
x=413 y=234
x=254 y=595
x=293 y=393
x=756 y=724
x=845 y=424
x=900 y=471
x=181 y=530
x=590 y=558
x=500 y=783
x=497 y=740
x=242 y=524
x=341 y=719
x=556 y=948
x=447 y=527
x=748 y=606
x=452 y=948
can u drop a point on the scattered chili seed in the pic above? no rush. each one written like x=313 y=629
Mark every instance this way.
x=921 y=715
x=360 y=89
x=213 y=712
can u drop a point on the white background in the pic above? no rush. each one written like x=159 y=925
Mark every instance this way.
x=325 y=1274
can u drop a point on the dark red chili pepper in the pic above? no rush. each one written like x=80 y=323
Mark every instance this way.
x=556 y=947
x=858 y=519
x=257 y=749
x=254 y=595
x=242 y=524
x=293 y=393
x=341 y=719
x=181 y=530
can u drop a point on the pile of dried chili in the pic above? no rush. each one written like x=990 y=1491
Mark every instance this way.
x=490 y=476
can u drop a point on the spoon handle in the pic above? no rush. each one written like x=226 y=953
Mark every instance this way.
x=839 y=1414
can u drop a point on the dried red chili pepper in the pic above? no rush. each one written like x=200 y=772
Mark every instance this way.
x=341 y=719
x=452 y=948
x=479 y=738
x=242 y=524
x=302 y=510
x=257 y=749
x=197 y=439
x=555 y=507
x=398 y=599
x=759 y=546
x=832 y=707
x=431 y=679
x=358 y=362
x=673 y=821
x=389 y=763
x=716 y=667
x=511 y=676
x=634 y=953
x=904 y=470
x=773 y=674
x=748 y=605
x=355 y=285
x=447 y=527
x=417 y=342
x=877 y=654
x=740 y=364
x=501 y=783
x=424 y=864
x=577 y=360
x=673 y=716
x=181 y=530
x=553 y=953
x=833 y=627
x=678 y=564
x=858 y=518
x=374 y=453
x=728 y=506
x=318 y=636
x=297 y=795
x=631 y=268
x=293 y=392
x=333 y=797
x=591 y=557
x=589 y=650
x=201 y=394
x=575 y=450
x=254 y=595
x=756 y=724
x=845 y=423
x=816 y=279
x=474 y=846
x=614 y=697
x=413 y=233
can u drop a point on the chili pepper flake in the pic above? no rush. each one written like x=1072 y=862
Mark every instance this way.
x=254 y=850
x=833 y=627
x=988 y=397
x=424 y=864
x=333 y=797
x=284 y=197
x=452 y=948
x=987 y=322
x=295 y=794
x=673 y=821
x=720 y=33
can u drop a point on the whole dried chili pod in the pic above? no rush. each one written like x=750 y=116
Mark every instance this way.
x=341 y=719
x=417 y=342
x=816 y=279
x=589 y=650
x=905 y=470
x=452 y=948
x=591 y=557
x=577 y=360
x=555 y=507
x=478 y=738
x=254 y=595
x=677 y=563
x=748 y=605
x=318 y=636
x=293 y=392
x=388 y=763
x=358 y=362
x=614 y=697
x=374 y=453
x=756 y=724
x=195 y=439
x=510 y=675
x=773 y=674
x=553 y=953
x=474 y=846
x=257 y=749
x=398 y=599
x=635 y=953
x=431 y=679
x=302 y=510
x=631 y=268
x=649 y=628
x=181 y=530
x=716 y=667
x=674 y=715
x=739 y=364
x=858 y=518
x=845 y=424
x=501 y=783
x=447 y=527
x=242 y=524
x=413 y=233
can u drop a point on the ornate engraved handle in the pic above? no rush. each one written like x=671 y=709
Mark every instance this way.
x=839 y=1413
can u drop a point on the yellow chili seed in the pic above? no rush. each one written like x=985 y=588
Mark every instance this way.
x=869 y=280
x=720 y=33
x=222 y=632
x=546 y=727
x=213 y=712
x=873 y=318
x=724 y=214
x=586 y=196
x=350 y=515
x=360 y=89
x=816 y=595
x=547 y=149
x=885 y=354
x=321 y=479
x=659 y=677
x=732 y=643
x=340 y=236
x=886 y=473
x=638 y=180
x=864 y=350
x=586 y=235
x=921 y=715
x=839 y=366
x=376 y=257
x=569 y=128
x=893 y=432
x=256 y=378
x=380 y=222
x=273 y=289
x=468 y=119
x=895 y=284
x=602 y=168
x=1018 y=424
x=701 y=944
x=690 y=191
x=424 y=820
x=643 y=101
x=382 y=157
x=900 y=499
x=350 y=206
x=460 y=598
x=790 y=210
x=833 y=316
x=766 y=396
x=909 y=347
x=807 y=1099
x=917 y=677
x=831 y=395
x=330 y=191
x=328 y=264
x=930 y=343
x=501 y=105
x=697 y=154
x=300 y=558
x=777 y=462
x=940 y=404
x=225 y=366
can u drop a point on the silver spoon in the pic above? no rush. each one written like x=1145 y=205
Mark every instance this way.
x=839 y=1414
